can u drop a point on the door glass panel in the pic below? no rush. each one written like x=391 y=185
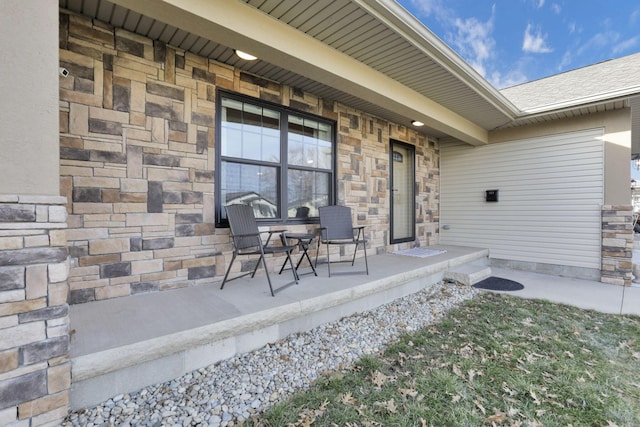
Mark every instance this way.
x=403 y=200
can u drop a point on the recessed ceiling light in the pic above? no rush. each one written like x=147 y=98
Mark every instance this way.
x=245 y=55
x=417 y=123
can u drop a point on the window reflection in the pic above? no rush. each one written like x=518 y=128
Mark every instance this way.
x=249 y=131
x=308 y=190
x=251 y=185
x=309 y=143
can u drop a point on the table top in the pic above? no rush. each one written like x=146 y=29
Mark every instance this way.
x=299 y=236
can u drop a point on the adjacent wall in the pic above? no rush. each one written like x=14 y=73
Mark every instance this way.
x=617 y=146
x=550 y=193
x=567 y=200
x=137 y=162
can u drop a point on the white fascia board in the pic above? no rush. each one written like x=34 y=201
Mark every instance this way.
x=403 y=22
x=595 y=99
x=239 y=26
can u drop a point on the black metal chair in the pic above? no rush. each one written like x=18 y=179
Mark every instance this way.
x=247 y=241
x=336 y=228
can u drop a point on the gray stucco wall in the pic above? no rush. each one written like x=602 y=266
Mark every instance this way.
x=29 y=87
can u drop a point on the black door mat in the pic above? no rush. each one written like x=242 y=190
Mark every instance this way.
x=494 y=283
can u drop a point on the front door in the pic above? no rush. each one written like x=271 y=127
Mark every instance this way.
x=403 y=201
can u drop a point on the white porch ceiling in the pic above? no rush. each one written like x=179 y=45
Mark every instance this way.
x=377 y=33
x=374 y=37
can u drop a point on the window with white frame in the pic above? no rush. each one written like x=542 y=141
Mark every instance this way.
x=264 y=148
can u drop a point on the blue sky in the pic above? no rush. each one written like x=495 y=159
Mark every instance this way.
x=515 y=41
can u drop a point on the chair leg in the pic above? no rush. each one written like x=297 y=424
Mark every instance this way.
x=233 y=258
x=284 y=264
x=256 y=267
x=328 y=260
x=285 y=242
x=266 y=270
x=355 y=251
x=366 y=264
x=300 y=261
x=294 y=270
x=306 y=254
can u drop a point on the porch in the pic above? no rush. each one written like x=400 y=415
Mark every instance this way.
x=121 y=345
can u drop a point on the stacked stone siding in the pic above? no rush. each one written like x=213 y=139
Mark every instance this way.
x=617 y=245
x=137 y=161
x=35 y=369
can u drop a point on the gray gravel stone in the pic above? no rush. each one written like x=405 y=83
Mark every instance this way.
x=235 y=389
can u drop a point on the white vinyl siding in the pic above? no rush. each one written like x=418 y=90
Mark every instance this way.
x=551 y=191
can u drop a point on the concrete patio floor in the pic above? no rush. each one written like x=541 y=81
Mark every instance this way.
x=124 y=344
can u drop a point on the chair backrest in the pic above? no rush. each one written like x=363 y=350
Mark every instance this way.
x=243 y=221
x=302 y=212
x=336 y=222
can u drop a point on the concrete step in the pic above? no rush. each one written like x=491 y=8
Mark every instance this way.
x=468 y=274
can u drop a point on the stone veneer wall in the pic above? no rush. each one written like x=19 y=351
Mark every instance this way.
x=137 y=162
x=35 y=368
x=617 y=245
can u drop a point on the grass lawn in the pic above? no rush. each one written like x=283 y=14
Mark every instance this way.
x=496 y=360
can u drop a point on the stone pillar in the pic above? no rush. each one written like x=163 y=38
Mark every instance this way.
x=617 y=244
x=35 y=367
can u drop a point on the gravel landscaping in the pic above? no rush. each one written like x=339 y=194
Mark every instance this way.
x=235 y=389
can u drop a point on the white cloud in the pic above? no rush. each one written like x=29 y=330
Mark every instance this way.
x=512 y=78
x=626 y=46
x=534 y=41
x=572 y=27
x=556 y=8
x=540 y=3
x=470 y=37
x=474 y=42
x=598 y=42
x=607 y=44
x=566 y=60
x=433 y=7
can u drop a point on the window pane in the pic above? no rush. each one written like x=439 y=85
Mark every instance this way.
x=325 y=149
x=271 y=119
x=308 y=190
x=309 y=143
x=256 y=186
x=271 y=145
x=251 y=170
x=249 y=131
x=231 y=133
